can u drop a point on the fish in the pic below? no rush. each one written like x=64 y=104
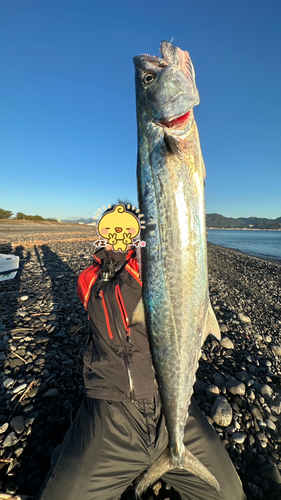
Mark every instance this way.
x=176 y=304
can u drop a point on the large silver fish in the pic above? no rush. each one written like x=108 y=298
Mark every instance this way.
x=171 y=175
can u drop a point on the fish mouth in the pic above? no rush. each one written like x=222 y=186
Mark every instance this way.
x=177 y=123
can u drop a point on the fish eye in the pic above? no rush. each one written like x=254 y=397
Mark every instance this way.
x=148 y=78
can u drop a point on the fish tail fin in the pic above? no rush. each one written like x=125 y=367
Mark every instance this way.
x=165 y=463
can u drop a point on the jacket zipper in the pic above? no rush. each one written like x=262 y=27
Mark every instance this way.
x=123 y=311
x=126 y=358
x=106 y=314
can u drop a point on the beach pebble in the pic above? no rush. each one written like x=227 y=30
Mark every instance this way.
x=242 y=317
x=10 y=440
x=276 y=349
x=243 y=376
x=238 y=437
x=51 y=393
x=218 y=379
x=19 y=388
x=227 y=343
x=212 y=391
x=266 y=391
x=221 y=412
x=223 y=328
x=4 y=427
x=17 y=424
x=235 y=387
x=270 y=424
x=8 y=382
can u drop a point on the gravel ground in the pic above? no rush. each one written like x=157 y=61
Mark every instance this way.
x=43 y=329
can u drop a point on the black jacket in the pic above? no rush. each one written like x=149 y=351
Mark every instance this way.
x=117 y=360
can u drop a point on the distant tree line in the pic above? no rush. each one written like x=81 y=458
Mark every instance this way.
x=7 y=214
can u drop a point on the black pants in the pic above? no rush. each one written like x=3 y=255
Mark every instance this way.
x=110 y=443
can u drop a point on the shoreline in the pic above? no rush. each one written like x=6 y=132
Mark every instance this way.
x=259 y=257
x=43 y=333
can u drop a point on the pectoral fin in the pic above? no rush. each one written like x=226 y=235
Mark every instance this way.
x=138 y=315
x=211 y=325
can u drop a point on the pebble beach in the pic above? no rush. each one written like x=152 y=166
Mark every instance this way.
x=43 y=332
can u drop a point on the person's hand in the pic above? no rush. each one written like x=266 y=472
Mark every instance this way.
x=127 y=239
x=112 y=238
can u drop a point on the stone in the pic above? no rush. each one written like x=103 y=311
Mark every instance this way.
x=276 y=349
x=218 y=379
x=238 y=437
x=212 y=391
x=51 y=393
x=245 y=319
x=270 y=424
x=243 y=376
x=221 y=412
x=10 y=440
x=266 y=391
x=226 y=343
x=236 y=387
x=19 y=388
x=8 y=382
x=4 y=427
x=17 y=424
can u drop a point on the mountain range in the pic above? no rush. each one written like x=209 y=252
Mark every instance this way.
x=218 y=221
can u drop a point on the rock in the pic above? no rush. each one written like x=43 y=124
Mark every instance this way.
x=238 y=437
x=242 y=317
x=243 y=376
x=10 y=440
x=4 y=427
x=218 y=379
x=221 y=412
x=51 y=393
x=19 y=388
x=226 y=343
x=276 y=349
x=266 y=391
x=236 y=387
x=17 y=424
x=212 y=392
x=256 y=413
x=199 y=388
x=8 y=382
x=270 y=424
x=223 y=328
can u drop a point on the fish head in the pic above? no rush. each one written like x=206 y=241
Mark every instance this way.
x=165 y=87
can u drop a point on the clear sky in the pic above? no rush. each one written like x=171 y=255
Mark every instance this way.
x=68 y=138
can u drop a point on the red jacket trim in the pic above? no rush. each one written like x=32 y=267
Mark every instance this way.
x=85 y=282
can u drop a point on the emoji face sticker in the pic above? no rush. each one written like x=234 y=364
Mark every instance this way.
x=119 y=227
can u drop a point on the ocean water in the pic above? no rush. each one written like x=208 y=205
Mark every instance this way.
x=262 y=244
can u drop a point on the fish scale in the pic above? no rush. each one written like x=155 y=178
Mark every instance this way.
x=177 y=308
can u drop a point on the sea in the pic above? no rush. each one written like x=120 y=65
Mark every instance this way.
x=262 y=244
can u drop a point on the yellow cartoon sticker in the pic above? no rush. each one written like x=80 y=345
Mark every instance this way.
x=119 y=227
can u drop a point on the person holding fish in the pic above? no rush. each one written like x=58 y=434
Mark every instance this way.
x=146 y=332
x=120 y=429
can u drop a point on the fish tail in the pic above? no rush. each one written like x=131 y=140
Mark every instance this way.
x=166 y=462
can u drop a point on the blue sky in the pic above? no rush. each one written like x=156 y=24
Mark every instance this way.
x=68 y=138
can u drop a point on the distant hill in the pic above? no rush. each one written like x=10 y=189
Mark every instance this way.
x=219 y=221
x=80 y=221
